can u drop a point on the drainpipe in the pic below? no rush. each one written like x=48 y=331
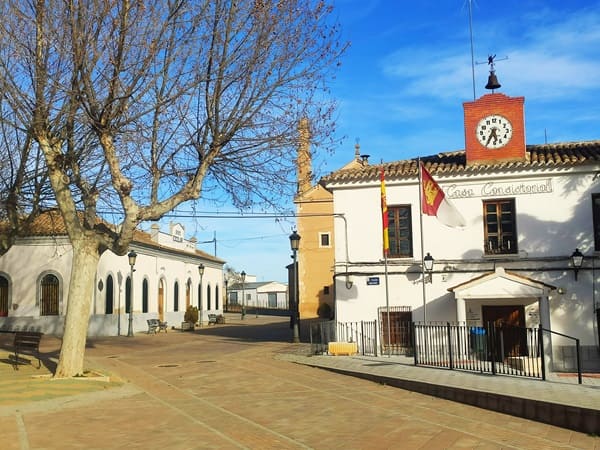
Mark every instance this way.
x=348 y=281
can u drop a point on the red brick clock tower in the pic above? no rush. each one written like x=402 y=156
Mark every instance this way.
x=494 y=128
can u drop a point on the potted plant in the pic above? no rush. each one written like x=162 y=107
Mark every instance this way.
x=190 y=318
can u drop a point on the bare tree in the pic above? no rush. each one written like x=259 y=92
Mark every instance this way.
x=139 y=106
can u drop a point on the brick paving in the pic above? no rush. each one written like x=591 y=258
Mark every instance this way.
x=243 y=385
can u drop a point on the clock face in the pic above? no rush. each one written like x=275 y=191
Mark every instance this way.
x=494 y=131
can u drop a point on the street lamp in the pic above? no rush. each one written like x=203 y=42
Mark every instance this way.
x=295 y=244
x=577 y=260
x=428 y=262
x=132 y=255
x=243 y=275
x=201 y=273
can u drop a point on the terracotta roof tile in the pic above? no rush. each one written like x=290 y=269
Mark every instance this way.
x=454 y=163
x=51 y=223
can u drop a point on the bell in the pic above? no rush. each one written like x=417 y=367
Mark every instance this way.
x=492 y=81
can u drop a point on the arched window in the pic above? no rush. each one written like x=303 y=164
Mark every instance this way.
x=188 y=293
x=176 y=297
x=217 y=297
x=145 y=296
x=109 y=303
x=49 y=295
x=3 y=296
x=208 y=298
x=200 y=297
x=128 y=295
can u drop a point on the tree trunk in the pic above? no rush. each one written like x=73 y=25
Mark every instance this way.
x=79 y=299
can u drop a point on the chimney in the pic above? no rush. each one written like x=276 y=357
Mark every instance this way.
x=303 y=161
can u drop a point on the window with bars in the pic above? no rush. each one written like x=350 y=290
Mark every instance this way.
x=49 y=295
x=3 y=296
x=499 y=221
x=400 y=231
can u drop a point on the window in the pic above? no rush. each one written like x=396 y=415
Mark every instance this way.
x=176 y=296
x=208 y=308
x=272 y=299
x=596 y=214
x=499 y=227
x=217 y=297
x=400 y=231
x=49 y=295
x=128 y=295
x=3 y=296
x=325 y=290
x=324 y=240
x=145 y=296
x=109 y=304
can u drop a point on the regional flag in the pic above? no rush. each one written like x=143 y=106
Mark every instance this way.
x=434 y=202
x=384 y=216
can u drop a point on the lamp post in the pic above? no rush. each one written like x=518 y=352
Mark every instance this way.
x=295 y=244
x=226 y=281
x=428 y=262
x=577 y=260
x=132 y=255
x=201 y=273
x=243 y=275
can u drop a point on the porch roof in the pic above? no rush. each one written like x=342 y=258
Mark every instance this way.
x=500 y=284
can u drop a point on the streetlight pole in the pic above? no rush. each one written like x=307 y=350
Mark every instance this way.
x=243 y=275
x=132 y=255
x=201 y=273
x=295 y=244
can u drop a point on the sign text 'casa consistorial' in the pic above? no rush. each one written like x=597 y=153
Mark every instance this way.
x=496 y=188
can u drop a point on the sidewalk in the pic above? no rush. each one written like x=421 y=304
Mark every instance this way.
x=557 y=401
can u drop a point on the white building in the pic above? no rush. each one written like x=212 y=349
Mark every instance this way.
x=258 y=294
x=527 y=209
x=35 y=276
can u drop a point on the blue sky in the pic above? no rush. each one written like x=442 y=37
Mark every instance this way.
x=405 y=77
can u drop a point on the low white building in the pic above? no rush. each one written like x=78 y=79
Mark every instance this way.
x=527 y=209
x=259 y=294
x=35 y=275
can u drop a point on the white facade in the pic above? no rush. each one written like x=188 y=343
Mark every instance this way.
x=165 y=280
x=553 y=205
x=269 y=294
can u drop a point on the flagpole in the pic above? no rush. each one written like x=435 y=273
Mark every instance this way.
x=422 y=240
x=387 y=305
x=386 y=243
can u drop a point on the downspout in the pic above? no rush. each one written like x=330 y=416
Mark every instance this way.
x=347 y=276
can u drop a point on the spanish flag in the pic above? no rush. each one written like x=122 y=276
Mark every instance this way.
x=384 y=216
x=434 y=202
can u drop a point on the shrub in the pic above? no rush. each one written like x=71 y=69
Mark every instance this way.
x=191 y=314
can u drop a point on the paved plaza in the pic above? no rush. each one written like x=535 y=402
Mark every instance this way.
x=243 y=385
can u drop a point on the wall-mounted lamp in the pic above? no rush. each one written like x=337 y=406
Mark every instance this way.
x=577 y=260
x=428 y=263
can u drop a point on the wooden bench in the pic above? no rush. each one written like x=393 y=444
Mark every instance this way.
x=155 y=325
x=27 y=343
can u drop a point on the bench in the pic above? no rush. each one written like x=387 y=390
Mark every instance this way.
x=155 y=325
x=212 y=318
x=27 y=343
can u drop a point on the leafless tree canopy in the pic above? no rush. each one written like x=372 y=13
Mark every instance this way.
x=138 y=106
x=124 y=109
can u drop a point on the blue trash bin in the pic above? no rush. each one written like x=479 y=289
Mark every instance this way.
x=478 y=341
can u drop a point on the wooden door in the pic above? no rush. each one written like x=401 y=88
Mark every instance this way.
x=161 y=300
x=508 y=322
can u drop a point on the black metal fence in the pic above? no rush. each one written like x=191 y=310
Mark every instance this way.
x=515 y=351
x=497 y=350
x=364 y=333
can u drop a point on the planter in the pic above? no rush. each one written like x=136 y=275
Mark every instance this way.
x=187 y=326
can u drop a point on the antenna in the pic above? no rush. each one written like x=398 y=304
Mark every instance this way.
x=472 y=57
